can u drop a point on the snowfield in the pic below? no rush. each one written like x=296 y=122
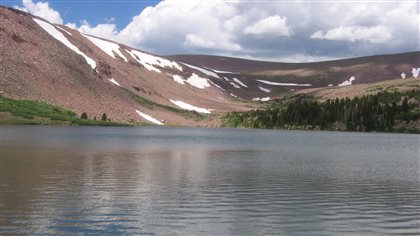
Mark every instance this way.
x=60 y=37
x=190 y=107
x=202 y=70
x=108 y=47
x=150 y=61
x=223 y=72
x=197 y=81
x=178 y=79
x=240 y=82
x=264 y=89
x=261 y=99
x=347 y=82
x=149 y=118
x=283 y=84
x=235 y=85
x=112 y=80
x=415 y=72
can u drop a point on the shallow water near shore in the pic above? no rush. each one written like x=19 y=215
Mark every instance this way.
x=189 y=181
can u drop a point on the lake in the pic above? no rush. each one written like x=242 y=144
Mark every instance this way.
x=194 y=181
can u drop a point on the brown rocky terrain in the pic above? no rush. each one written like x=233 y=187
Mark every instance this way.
x=37 y=66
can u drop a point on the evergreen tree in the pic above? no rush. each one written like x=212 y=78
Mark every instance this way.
x=103 y=117
x=404 y=108
x=84 y=116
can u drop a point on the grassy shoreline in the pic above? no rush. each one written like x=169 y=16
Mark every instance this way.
x=28 y=112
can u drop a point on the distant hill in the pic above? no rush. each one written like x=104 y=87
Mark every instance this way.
x=317 y=74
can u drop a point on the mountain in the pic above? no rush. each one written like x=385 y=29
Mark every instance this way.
x=60 y=66
x=337 y=73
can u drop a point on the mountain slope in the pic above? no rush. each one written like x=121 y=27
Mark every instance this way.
x=60 y=66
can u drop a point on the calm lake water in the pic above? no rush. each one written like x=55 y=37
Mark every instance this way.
x=189 y=181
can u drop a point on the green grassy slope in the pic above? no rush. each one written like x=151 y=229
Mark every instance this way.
x=32 y=112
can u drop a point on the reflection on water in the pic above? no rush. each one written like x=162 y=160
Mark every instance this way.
x=201 y=181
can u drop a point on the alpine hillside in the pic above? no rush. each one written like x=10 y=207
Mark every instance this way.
x=57 y=65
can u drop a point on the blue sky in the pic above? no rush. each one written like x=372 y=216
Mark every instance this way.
x=293 y=31
x=95 y=12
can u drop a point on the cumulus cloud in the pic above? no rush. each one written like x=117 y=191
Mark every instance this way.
x=287 y=30
x=41 y=9
x=270 y=26
x=107 y=30
x=197 y=41
x=277 y=30
x=376 y=34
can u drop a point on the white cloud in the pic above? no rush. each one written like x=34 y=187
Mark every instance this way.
x=252 y=29
x=41 y=9
x=376 y=34
x=72 y=25
x=183 y=25
x=271 y=26
x=107 y=30
x=196 y=41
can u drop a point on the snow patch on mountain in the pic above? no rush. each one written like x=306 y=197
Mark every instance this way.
x=283 y=84
x=223 y=72
x=112 y=80
x=235 y=85
x=149 y=118
x=202 y=70
x=197 y=81
x=261 y=99
x=178 y=79
x=150 y=61
x=106 y=46
x=264 y=89
x=189 y=107
x=146 y=65
x=415 y=72
x=60 y=37
x=233 y=95
x=347 y=82
x=240 y=82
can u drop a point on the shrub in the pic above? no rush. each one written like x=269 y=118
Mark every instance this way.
x=84 y=116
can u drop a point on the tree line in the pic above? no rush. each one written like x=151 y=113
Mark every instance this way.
x=378 y=112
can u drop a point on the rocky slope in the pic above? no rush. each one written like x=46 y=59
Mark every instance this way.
x=61 y=66
x=58 y=65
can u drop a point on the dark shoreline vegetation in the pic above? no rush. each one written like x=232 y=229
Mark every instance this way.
x=381 y=112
